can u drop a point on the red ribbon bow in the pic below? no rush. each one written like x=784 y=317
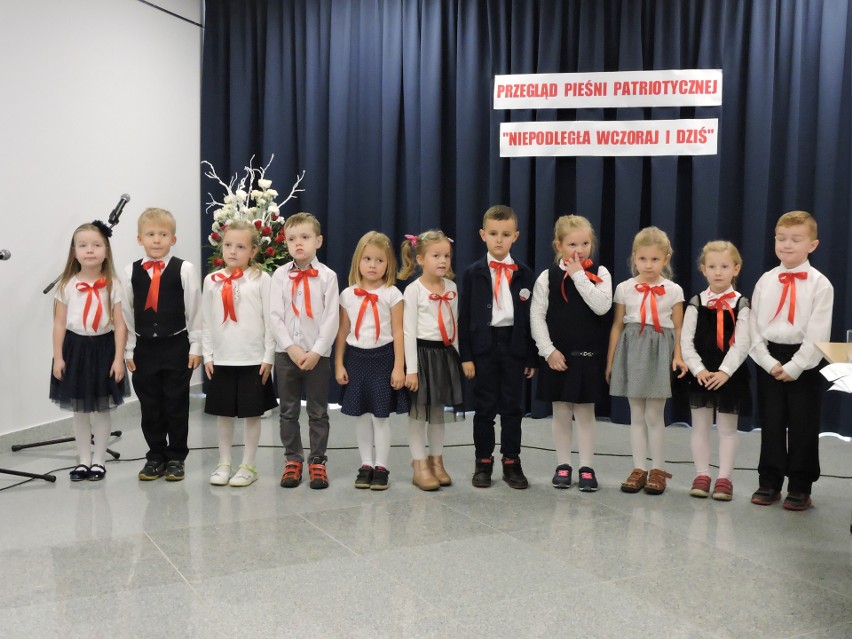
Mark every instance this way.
x=446 y=297
x=587 y=264
x=92 y=289
x=228 y=292
x=501 y=268
x=650 y=292
x=153 y=298
x=412 y=239
x=720 y=305
x=297 y=276
x=789 y=282
x=372 y=299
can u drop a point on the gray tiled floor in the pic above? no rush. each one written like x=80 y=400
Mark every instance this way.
x=128 y=559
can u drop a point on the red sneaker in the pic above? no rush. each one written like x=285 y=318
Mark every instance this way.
x=723 y=490
x=701 y=486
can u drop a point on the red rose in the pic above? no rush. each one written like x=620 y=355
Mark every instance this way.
x=266 y=231
x=275 y=216
x=218 y=261
x=270 y=252
x=279 y=239
x=215 y=237
x=258 y=224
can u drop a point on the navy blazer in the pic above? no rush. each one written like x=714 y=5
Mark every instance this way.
x=475 y=300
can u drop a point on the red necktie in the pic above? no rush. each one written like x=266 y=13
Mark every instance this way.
x=446 y=297
x=587 y=264
x=228 y=292
x=154 y=291
x=92 y=289
x=501 y=268
x=372 y=299
x=789 y=282
x=297 y=276
x=652 y=292
x=720 y=305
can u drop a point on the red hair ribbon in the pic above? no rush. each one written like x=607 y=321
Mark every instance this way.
x=228 y=292
x=372 y=299
x=720 y=305
x=499 y=269
x=412 y=239
x=92 y=289
x=297 y=276
x=446 y=297
x=587 y=264
x=789 y=282
x=652 y=292
x=153 y=298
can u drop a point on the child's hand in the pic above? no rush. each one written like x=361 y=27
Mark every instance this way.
x=309 y=361
x=58 y=368
x=208 y=369
x=131 y=365
x=117 y=369
x=397 y=378
x=529 y=373
x=781 y=375
x=608 y=373
x=717 y=380
x=193 y=363
x=704 y=377
x=411 y=382
x=679 y=365
x=297 y=354
x=469 y=370
x=556 y=361
x=573 y=264
x=341 y=375
x=264 y=372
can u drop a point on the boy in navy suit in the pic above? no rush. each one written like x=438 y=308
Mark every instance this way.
x=496 y=348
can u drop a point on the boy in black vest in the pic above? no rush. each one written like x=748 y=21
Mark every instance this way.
x=496 y=348
x=163 y=316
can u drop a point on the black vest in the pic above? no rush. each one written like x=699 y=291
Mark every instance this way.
x=705 y=331
x=572 y=325
x=170 y=317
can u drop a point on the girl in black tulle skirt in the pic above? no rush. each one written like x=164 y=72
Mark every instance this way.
x=89 y=335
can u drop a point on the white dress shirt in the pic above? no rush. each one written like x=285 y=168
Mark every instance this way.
x=389 y=296
x=420 y=319
x=626 y=294
x=736 y=355
x=502 y=314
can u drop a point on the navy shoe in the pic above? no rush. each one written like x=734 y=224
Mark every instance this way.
x=562 y=476
x=80 y=473
x=588 y=481
x=97 y=472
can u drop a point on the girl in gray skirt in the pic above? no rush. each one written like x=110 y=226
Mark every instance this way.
x=644 y=348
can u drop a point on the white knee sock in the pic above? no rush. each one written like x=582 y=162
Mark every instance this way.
x=382 y=436
x=638 y=433
x=365 y=439
x=562 y=428
x=702 y=423
x=417 y=438
x=656 y=421
x=83 y=437
x=729 y=440
x=436 y=438
x=584 y=415
x=101 y=424
x=225 y=428
x=251 y=440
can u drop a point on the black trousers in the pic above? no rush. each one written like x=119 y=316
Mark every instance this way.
x=498 y=388
x=161 y=382
x=790 y=422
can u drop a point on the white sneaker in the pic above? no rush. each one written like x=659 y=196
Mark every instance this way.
x=245 y=476
x=219 y=477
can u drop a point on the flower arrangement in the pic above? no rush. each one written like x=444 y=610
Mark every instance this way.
x=251 y=198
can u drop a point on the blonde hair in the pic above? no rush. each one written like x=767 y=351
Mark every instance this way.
x=500 y=213
x=568 y=223
x=382 y=242
x=303 y=218
x=411 y=249
x=72 y=266
x=652 y=236
x=722 y=246
x=795 y=218
x=156 y=216
x=254 y=235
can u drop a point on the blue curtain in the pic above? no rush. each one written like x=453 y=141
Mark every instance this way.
x=387 y=106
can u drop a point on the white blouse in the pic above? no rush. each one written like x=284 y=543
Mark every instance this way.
x=735 y=356
x=350 y=303
x=75 y=300
x=420 y=319
x=626 y=294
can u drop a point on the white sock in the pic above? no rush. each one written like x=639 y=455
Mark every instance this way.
x=225 y=428
x=656 y=421
x=702 y=423
x=382 y=435
x=584 y=415
x=365 y=439
x=729 y=440
x=101 y=424
x=638 y=433
x=417 y=438
x=83 y=437
x=251 y=440
x=562 y=428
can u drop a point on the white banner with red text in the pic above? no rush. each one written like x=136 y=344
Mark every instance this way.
x=674 y=87
x=613 y=137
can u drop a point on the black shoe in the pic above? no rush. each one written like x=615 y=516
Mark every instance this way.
x=765 y=496
x=797 y=501
x=175 y=470
x=513 y=474
x=482 y=472
x=380 y=478
x=588 y=482
x=80 y=472
x=152 y=470
x=97 y=472
x=562 y=476
x=365 y=477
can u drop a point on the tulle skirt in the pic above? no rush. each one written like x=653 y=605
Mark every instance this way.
x=86 y=385
x=439 y=377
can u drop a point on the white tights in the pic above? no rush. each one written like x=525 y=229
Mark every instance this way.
x=373 y=431
x=417 y=435
x=88 y=426
x=251 y=439
x=702 y=424
x=584 y=415
x=647 y=425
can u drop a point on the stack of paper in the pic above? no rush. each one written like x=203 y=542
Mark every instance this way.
x=840 y=376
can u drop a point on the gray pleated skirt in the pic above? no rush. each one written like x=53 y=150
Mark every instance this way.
x=642 y=366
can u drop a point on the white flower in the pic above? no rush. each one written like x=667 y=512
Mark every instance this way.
x=264 y=184
x=265 y=240
x=216 y=226
x=228 y=199
x=273 y=208
x=272 y=193
x=256 y=194
x=220 y=215
x=241 y=195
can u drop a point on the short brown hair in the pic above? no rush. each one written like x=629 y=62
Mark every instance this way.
x=796 y=218
x=303 y=218
x=500 y=213
x=155 y=215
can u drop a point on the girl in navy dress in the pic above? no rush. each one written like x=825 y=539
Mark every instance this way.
x=369 y=357
x=89 y=335
x=567 y=318
x=715 y=343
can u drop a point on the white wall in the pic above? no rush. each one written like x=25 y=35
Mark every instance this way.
x=99 y=98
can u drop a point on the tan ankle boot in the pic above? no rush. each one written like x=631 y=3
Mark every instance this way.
x=436 y=462
x=423 y=477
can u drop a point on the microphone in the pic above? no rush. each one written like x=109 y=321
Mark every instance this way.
x=4 y=254
x=116 y=212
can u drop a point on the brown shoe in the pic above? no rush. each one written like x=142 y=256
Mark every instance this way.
x=656 y=484
x=436 y=463
x=635 y=482
x=423 y=478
